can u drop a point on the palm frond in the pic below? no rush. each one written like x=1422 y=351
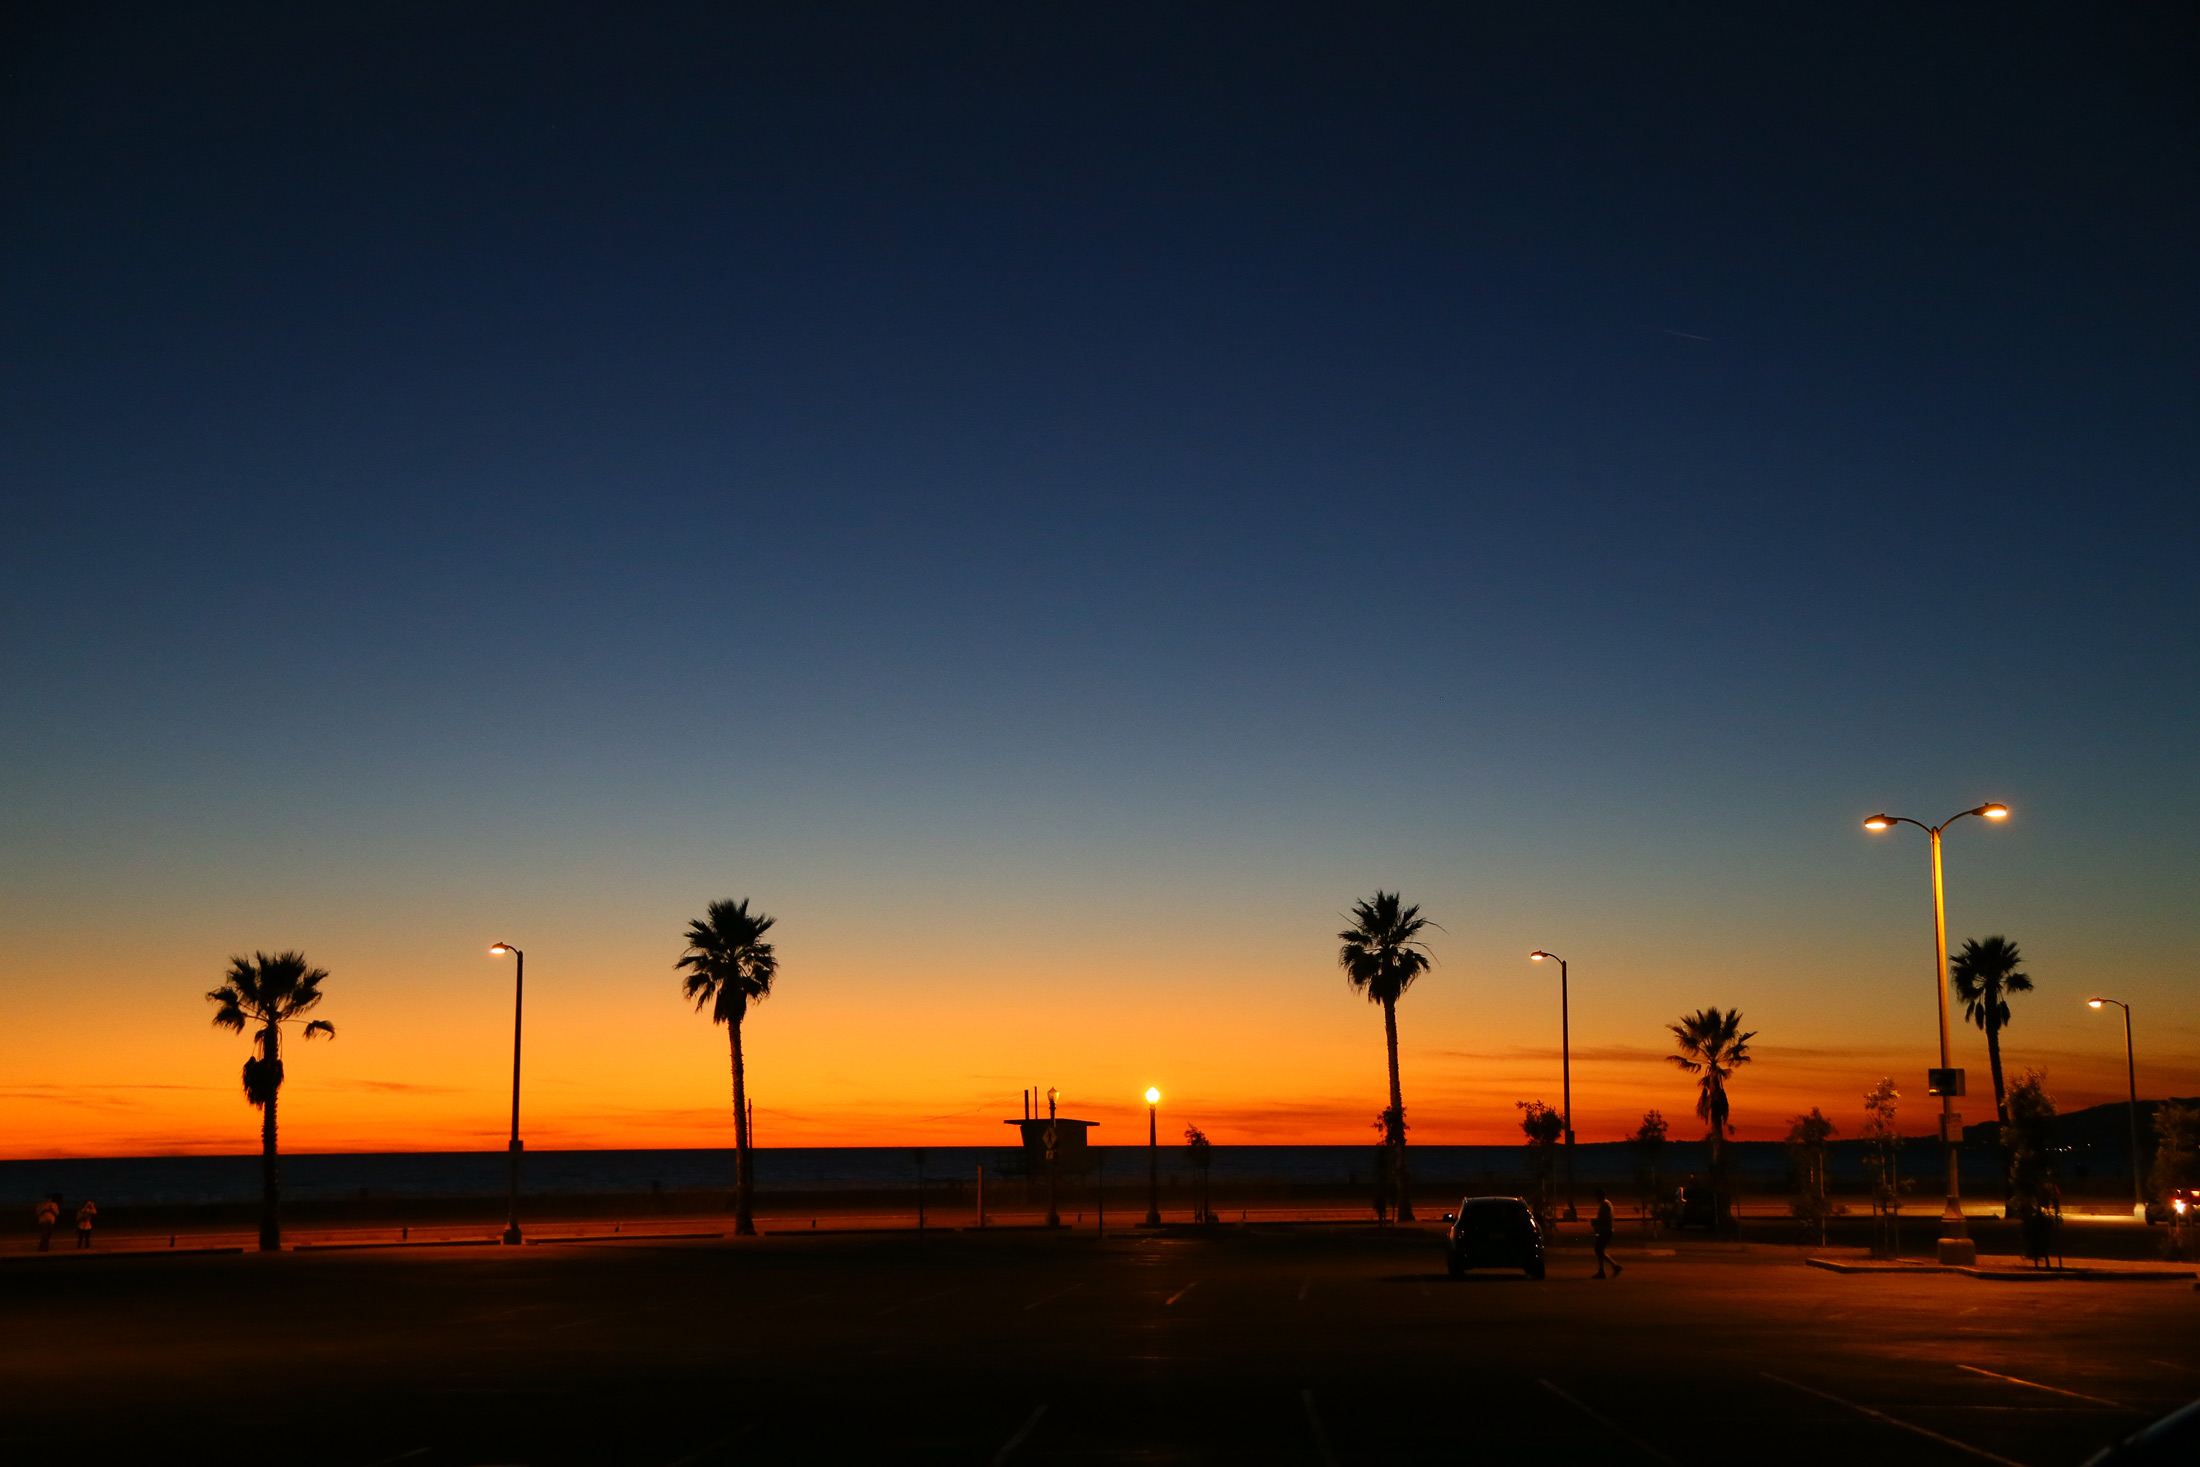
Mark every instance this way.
x=1382 y=952
x=729 y=965
x=322 y=1027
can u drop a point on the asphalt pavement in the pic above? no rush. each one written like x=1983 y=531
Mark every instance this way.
x=1307 y=1345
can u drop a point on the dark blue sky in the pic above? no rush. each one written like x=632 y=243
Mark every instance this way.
x=827 y=450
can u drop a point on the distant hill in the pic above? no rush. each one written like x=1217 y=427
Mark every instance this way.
x=2098 y=1128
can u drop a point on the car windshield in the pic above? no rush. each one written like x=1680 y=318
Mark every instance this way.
x=1483 y=1217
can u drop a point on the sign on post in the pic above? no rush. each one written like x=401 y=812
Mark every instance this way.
x=1944 y=1082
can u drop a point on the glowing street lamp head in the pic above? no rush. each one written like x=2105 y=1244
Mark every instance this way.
x=2092 y=1003
x=499 y=949
x=1537 y=956
x=1994 y=812
x=1879 y=822
x=1153 y=1095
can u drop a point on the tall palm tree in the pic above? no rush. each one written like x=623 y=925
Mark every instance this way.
x=1983 y=975
x=730 y=966
x=268 y=992
x=1381 y=956
x=1712 y=1047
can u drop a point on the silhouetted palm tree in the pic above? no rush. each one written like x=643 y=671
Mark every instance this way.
x=1381 y=956
x=1712 y=1048
x=1983 y=975
x=730 y=966
x=268 y=992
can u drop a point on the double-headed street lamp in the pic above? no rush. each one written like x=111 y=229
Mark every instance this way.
x=1153 y=1157
x=2131 y=1078
x=1565 y=1071
x=519 y=988
x=1956 y=1246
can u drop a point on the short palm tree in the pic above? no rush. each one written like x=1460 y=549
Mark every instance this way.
x=267 y=993
x=1712 y=1047
x=1382 y=954
x=730 y=966
x=1983 y=975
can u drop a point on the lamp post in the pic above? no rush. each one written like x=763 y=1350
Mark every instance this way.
x=1153 y=1157
x=1956 y=1246
x=519 y=988
x=2131 y=1078
x=1565 y=1072
x=1052 y=1138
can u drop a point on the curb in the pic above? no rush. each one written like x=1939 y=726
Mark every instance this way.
x=2017 y=1275
x=122 y=1253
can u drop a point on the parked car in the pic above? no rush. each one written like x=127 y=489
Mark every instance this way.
x=1694 y=1205
x=2182 y=1205
x=1494 y=1232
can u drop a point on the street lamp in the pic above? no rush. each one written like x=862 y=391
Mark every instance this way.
x=1956 y=1246
x=1052 y=1138
x=1565 y=1071
x=2131 y=1078
x=511 y=1196
x=1153 y=1157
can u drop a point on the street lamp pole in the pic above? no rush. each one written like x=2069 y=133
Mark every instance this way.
x=2131 y=1078
x=1153 y=1157
x=1956 y=1246
x=1565 y=1072
x=1052 y=1138
x=511 y=1191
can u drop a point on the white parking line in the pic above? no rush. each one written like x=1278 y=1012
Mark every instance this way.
x=1049 y=1298
x=1314 y=1424
x=910 y=1303
x=1180 y=1293
x=1008 y=1448
x=2058 y=1390
x=1947 y=1441
x=713 y=1449
x=1609 y=1425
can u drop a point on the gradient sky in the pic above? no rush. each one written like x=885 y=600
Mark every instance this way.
x=1054 y=503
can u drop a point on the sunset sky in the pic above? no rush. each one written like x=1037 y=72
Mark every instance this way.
x=1055 y=504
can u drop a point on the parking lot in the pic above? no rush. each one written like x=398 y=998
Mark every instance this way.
x=1310 y=1345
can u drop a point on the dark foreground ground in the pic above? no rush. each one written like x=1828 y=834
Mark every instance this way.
x=1287 y=1345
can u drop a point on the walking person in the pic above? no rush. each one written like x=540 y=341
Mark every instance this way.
x=84 y=1216
x=49 y=1218
x=1601 y=1230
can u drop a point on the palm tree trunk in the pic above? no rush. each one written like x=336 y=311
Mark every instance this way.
x=1404 y=1204
x=2001 y=1099
x=744 y=1225
x=271 y=1179
x=1993 y=1060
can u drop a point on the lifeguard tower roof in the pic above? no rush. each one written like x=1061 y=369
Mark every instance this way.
x=1069 y=1135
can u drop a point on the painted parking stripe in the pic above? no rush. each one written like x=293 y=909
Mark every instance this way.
x=1180 y=1293
x=706 y=1453
x=1050 y=1298
x=2058 y=1390
x=1609 y=1424
x=1023 y=1433
x=1321 y=1433
x=1947 y=1441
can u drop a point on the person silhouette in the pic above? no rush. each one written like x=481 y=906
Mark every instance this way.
x=84 y=1216
x=1601 y=1231
x=49 y=1217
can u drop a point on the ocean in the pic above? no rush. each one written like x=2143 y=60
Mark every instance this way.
x=332 y=1176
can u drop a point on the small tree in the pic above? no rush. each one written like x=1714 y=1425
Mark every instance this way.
x=2029 y=1138
x=1649 y=1143
x=2176 y=1164
x=1806 y=1141
x=1882 y=1163
x=1543 y=1128
x=1202 y=1158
